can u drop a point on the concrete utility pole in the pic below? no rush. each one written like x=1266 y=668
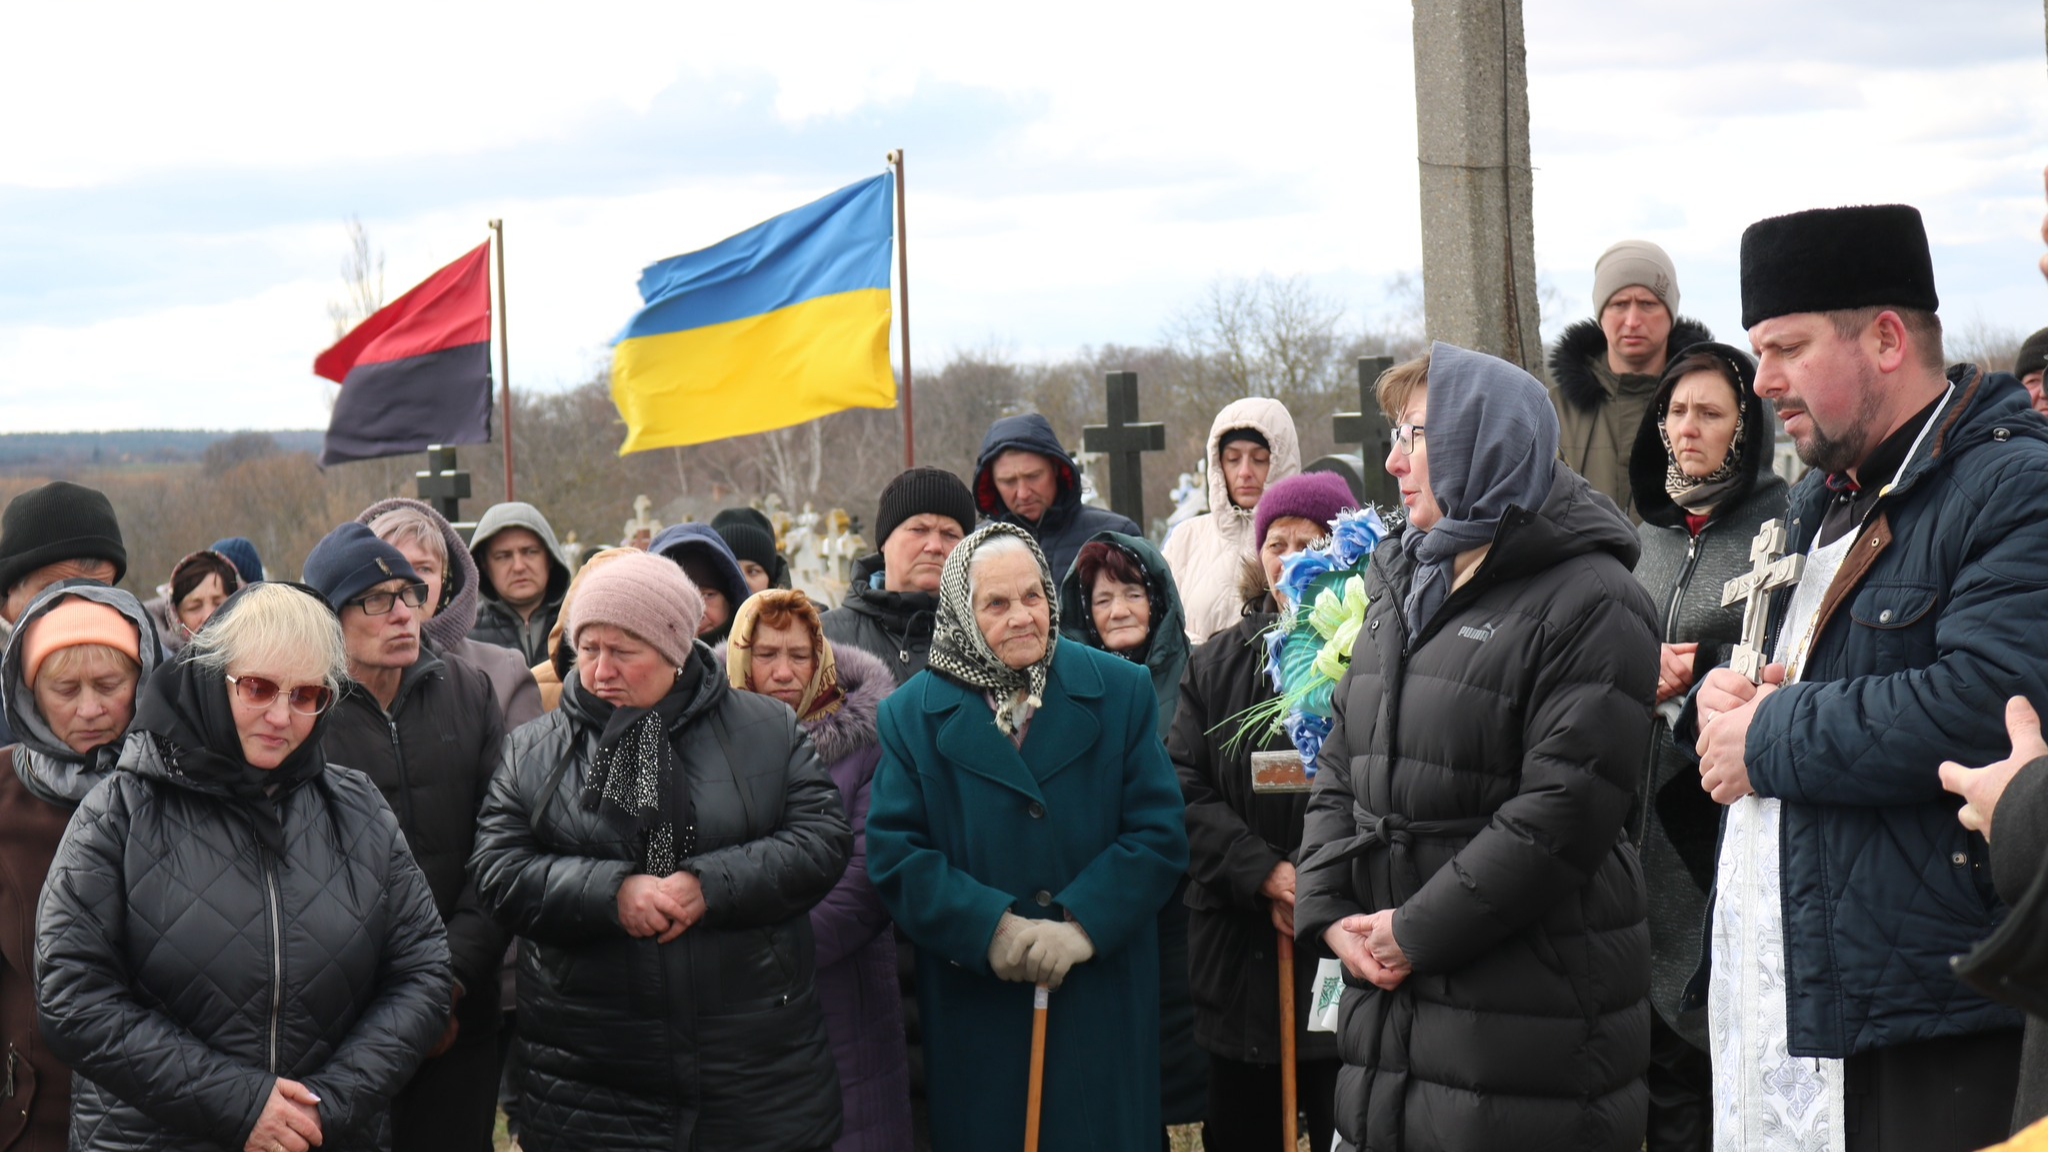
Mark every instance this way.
x=1472 y=139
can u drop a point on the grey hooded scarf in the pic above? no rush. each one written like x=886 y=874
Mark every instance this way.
x=1491 y=436
x=48 y=767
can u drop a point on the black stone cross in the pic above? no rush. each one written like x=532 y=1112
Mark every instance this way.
x=443 y=484
x=1122 y=440
x=1368 y=429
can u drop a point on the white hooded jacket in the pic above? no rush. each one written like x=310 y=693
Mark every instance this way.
x=1208 y=552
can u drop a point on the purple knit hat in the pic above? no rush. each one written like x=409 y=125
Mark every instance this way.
x=1316 y=496
x=644 y=594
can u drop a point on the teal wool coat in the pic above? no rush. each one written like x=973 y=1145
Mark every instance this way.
x=1084 y=819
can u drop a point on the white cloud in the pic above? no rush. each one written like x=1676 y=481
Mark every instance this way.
x=1076 y=174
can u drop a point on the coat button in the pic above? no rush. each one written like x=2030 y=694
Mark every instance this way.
x=2001 y=434
x=1884 y=617
x=1042 y=898
x=1959 y=859
x=1036 y=810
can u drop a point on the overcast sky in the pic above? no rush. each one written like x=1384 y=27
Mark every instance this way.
x=174 y=179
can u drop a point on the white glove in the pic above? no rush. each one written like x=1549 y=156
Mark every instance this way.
x=1007 y=947
x=1055 y=949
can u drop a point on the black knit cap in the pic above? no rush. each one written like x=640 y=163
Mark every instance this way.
x=1248 y=435
x=2033 y=355
x=748 y=541
x=58 y=521
x=916 y=491
x=1829 y=259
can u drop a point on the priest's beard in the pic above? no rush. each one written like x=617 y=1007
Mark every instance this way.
x=1844 y=449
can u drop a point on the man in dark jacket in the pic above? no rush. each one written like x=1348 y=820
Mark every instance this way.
x=522 y=576
x=1921 y=527
x=60 y=531
x=1024 y=477
x=892 y=600
x=427 y=732
x=1604 y=370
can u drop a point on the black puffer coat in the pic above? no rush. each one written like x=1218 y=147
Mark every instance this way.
x=893 y=627
x=182 y=966
x=432 y=756
x=1066 y=523
x=715 y=1040
x=1476 y=782
x=1234 y=841
x=1675 y=824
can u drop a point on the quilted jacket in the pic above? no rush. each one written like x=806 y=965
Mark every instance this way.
x=714 y=1040
x=432 y=756
x=182 y=967
x=1931 y=623
x=1476 y=783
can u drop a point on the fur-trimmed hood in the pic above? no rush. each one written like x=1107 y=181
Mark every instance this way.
x=1571 y=358
x=864 y=682
x=851 y=727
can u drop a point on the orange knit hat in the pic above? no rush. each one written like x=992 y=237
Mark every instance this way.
x=74 y=621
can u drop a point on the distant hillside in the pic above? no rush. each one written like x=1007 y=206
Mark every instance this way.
x=37 y=452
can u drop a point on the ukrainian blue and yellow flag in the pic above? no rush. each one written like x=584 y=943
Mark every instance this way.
x=783 y=323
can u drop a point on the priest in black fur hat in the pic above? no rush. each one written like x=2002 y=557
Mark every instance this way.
x=1844 y=883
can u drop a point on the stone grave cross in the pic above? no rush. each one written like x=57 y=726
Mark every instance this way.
x=1123 y=440
x=1368 y=429
x=443 y=484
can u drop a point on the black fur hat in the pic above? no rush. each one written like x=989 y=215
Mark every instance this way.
x=1829 y=259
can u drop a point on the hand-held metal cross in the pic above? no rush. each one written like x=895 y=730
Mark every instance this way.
x=1769 y=570
x=1122 y=440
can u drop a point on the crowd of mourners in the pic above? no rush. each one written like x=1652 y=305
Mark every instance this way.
x=655 y=852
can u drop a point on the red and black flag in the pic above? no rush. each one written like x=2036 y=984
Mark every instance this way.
x=417 y=371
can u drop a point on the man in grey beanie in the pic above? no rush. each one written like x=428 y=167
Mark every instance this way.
x=1603 y=371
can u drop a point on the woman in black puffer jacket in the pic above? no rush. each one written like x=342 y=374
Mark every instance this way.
x=1703 y=485
x=1465 y=854
x=657 y=843
x=234 y=948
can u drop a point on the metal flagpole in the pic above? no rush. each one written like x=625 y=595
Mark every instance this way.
x=504 y=355
x=895 y=158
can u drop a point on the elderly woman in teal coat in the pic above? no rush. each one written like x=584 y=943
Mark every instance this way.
x=1025 y=827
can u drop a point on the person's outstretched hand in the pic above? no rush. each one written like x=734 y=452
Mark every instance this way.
x=1980 y=788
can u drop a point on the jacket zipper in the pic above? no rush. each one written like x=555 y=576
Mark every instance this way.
x=404 y=786
x=1641 y=832
x=7 y=1086
x=272 y=900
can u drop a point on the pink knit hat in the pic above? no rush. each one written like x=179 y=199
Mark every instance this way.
x=644 y=594
x=1316 y=496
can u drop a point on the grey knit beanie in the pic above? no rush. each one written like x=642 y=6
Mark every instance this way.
x=1634 y=262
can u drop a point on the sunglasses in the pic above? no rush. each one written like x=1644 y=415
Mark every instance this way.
x=306 y=699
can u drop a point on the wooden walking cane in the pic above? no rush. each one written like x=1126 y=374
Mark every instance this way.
x=1283 y=772
x=1039 y=996
x=1289 y=1114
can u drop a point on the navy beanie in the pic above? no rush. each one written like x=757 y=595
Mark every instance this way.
x=350 y=559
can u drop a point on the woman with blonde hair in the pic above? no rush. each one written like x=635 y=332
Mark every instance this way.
x=235 y=948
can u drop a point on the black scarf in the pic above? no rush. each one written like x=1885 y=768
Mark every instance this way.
x=185 y=708
x=635 y=779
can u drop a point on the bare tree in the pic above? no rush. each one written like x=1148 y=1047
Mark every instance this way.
x=362 y=277
x=1992 y=347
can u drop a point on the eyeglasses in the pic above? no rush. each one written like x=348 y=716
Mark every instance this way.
x=306 y=699
x=378 y=603
x=1404 y=438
